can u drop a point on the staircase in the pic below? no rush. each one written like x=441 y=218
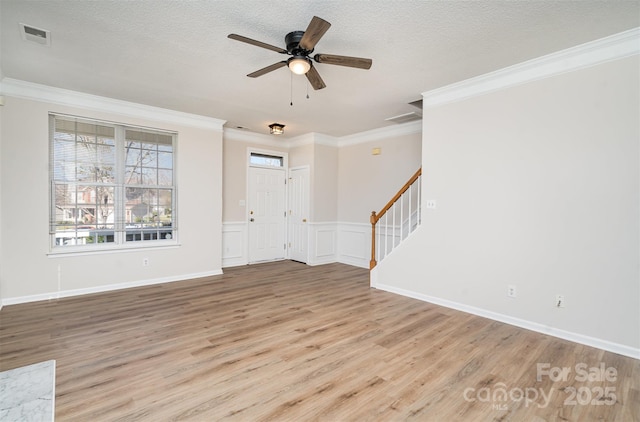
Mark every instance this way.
x=396 y=220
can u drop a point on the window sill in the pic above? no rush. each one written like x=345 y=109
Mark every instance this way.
x=64 y=252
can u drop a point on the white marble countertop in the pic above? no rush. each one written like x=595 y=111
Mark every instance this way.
x=28 y=393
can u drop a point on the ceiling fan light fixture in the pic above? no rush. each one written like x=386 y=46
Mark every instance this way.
x=299 y=65
x=276 y=129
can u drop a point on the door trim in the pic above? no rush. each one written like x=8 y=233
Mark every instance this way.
x=289 y=217
x=285 y=168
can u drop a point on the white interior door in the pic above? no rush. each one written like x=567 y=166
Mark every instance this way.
x=266 y=214
x=298 y=214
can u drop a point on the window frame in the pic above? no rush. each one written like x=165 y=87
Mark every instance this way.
x=266 y=157
x=120 y=230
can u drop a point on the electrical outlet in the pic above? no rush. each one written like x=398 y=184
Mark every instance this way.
x=511 y=291
x=560 y=301
x=145 y=262
x=431 y=203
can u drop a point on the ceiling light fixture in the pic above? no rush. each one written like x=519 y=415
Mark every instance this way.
x=299 y=64
x=276 y=129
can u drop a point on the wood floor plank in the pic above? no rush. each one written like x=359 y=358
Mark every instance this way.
x=287 y=342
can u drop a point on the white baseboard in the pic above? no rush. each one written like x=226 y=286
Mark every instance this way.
x=620 y=349
x=354 y=262
x=106 y=288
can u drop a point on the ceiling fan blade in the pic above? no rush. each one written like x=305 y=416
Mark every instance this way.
x=314 y=79
x=316 y=29
x=267 y=69
x=257 y=43
x=358 y=62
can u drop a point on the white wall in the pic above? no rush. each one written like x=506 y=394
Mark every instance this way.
x=1 y=219
x=537 y=186
x=325 y=183
x=29 y=272
x=367 y=181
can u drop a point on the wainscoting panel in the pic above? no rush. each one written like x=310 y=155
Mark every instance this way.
x=354 y=244
x=234 y=244
x=344 y=242
x=323 y=243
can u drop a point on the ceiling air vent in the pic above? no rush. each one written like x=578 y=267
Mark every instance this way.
x=404 y=118
x=417 y=103
x=37 y=35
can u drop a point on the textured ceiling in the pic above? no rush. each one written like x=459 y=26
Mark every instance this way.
x=176 y=54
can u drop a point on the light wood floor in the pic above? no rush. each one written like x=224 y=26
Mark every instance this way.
x=284 y=341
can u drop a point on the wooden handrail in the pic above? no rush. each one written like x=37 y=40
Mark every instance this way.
x=402 y=190
x=377 y=216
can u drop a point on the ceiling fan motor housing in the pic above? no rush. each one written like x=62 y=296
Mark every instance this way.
x=292 y=40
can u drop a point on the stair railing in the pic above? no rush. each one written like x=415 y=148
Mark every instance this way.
x=396 y=220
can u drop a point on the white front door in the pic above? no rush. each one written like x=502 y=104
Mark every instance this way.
x=266 y=214
x=298 y=213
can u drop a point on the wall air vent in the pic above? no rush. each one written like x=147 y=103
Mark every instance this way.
x=404 y=118
x=37 y=35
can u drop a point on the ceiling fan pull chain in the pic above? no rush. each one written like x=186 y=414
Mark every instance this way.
x=291 y=93
x=307 y=89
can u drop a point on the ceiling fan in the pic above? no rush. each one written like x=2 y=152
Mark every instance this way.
x=300 y=45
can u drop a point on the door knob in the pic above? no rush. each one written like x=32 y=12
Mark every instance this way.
x=304 y=220
x=251 y=219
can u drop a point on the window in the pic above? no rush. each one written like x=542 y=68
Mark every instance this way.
x=266 y=160
x=112 y=185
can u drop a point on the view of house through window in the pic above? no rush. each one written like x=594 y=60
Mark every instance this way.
x=111 y=184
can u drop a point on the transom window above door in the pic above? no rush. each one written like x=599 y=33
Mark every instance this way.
x=266 y=160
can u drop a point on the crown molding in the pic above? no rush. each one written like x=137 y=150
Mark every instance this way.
x=614 y=47
x=394 y=131
x=326 y=140
x=322 y=139
x=238 y=135
x=300 y=140
x=313 y=138
x=32 y=91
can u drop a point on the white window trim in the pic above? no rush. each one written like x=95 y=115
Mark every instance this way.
x=121 y=245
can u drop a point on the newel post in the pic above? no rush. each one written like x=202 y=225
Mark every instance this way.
x=373 y=262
